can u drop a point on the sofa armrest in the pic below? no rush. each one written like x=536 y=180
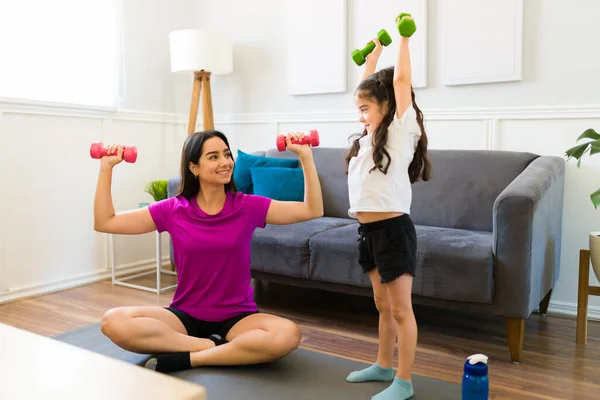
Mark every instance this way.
x=527 y=225
x=173 y=186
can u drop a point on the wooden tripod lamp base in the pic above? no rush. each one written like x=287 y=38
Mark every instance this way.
x=203 y=52
x=201 y=85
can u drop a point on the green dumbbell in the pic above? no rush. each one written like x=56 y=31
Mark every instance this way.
x=360 y=56
x=406 y=26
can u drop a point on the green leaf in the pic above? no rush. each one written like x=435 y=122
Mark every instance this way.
x=595 y=198
x=589 y=134
x=157 y=189
x=595 y=147
x=577 y=151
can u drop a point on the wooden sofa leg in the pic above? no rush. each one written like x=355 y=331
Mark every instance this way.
x=545 y=303
x=515 y=329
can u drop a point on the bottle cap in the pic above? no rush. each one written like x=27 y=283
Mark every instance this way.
x=476 y=365
x=475 y=358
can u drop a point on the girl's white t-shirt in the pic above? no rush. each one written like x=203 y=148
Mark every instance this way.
x=378 y=192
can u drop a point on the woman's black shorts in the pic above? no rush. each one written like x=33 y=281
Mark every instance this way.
x=203 y=329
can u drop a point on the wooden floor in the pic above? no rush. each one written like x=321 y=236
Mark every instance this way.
x=552 y=366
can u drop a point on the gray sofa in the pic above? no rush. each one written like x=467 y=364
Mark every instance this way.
x=488 y=225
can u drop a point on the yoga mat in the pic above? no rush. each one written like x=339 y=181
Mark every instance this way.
x=302 y=375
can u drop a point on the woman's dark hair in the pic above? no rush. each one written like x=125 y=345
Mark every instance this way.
x=189 y=185
x=380 y=88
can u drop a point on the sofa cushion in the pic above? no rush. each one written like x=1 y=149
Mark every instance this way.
x=331 y=168
x=284 y=184
x=283 y=249
x=463 y=187
x=241 y=172
x=454 y=264
x=334 y=257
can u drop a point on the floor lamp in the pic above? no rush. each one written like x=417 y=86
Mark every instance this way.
x=202 y=53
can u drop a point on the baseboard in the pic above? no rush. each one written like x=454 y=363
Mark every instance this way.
x=25 y=291
x=565 y=309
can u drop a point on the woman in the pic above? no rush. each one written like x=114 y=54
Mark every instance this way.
x=213 y=319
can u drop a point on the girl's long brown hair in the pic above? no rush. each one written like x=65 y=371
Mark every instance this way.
x=380 y=87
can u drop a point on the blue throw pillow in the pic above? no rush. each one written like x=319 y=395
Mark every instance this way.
x=241 y=172
x=285 y=184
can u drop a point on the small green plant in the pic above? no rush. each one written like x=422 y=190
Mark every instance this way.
x=593 y=147
x=157 y=189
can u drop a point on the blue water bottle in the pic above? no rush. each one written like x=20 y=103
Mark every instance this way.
x=475 y=384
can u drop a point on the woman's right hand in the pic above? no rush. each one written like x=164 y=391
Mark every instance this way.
x=108 y=162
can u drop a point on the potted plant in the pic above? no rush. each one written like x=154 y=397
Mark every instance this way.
x=157 y=189
x=590 y=147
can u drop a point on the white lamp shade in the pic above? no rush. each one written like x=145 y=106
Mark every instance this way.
x=201 y=49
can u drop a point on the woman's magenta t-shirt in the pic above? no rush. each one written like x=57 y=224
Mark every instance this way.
x=212 y=253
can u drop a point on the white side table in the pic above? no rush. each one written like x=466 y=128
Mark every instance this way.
x=159 y=269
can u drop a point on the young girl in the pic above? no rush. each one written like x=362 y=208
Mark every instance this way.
x=213 y=319
x=383 y=162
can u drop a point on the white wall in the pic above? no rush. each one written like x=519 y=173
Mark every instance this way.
x=48 y=240
x=49 y=231
x=558 y=65
x=555 y=102
x=150 y=84
x=545 y=113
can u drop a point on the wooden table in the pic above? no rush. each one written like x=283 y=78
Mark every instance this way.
x=37 y=367
x=584 y=290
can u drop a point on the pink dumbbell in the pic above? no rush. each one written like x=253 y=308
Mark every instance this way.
x=312 y=138
x=97 y=150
